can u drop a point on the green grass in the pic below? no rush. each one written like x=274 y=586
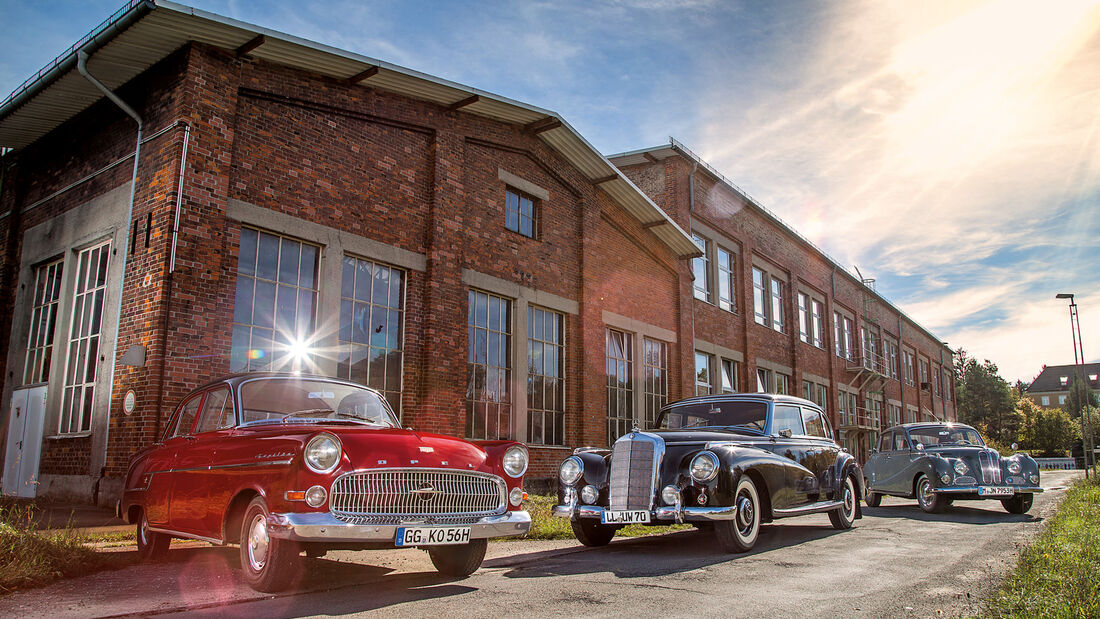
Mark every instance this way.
x=1059 y=574
x=32 y=558
x=544 y=525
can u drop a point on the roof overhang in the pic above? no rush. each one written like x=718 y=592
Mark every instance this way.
x=144 y=32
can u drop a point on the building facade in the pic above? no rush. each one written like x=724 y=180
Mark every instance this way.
x=296 y=207
x=1050 y=389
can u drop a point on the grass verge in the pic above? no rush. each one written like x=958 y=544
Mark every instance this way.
x=31 y=558
x=1059 y=574
x=544 y=525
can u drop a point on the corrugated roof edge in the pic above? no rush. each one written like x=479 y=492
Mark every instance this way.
x=676 y=145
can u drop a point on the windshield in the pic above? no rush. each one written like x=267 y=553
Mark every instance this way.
x=939 y=436
x=296 y=399
x=751 y=415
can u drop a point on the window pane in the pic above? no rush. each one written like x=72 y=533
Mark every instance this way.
x=82 y=367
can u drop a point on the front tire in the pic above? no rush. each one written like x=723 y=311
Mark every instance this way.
x=740 y=533
x=269 y=564
x=844 y=516
x=592 y=533
x=873 y=499
x=928 y=500
x=151 y=545
x=460 y=560
x=1019 y=504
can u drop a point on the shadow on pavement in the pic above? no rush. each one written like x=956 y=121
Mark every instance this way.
x=954 y=513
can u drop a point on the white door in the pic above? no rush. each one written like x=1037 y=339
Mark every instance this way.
x=28 y=410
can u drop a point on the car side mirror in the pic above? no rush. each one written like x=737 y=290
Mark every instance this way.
x=785 y=433
x=920 y=446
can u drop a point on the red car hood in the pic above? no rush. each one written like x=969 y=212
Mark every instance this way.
x=369 y=448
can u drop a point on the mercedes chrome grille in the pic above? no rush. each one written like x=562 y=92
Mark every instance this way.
x=383 y=496
x=635 y=459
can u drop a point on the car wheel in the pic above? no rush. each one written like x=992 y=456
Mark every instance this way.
x=151 y=545
x=458 y=560
x=928 y=500
x=269 y=564
x=591 y=533
x=873 y=499
x=739 y=533
x=845 y=515
x=1018 y=504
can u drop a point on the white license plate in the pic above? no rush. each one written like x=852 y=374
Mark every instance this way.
x=432 y=536
x=994 y=491
x=624 y=516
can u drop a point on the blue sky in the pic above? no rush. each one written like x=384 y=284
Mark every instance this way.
x=950 y=150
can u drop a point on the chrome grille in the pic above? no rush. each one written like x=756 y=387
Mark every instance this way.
x=990 y=462
x=964 y=480
x=635 y=459
x=383 y=496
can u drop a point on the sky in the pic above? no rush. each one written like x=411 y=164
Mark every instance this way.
x=949 y=150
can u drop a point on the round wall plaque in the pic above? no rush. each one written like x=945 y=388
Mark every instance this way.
x=129 y=402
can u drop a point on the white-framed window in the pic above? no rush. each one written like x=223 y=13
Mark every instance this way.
x=520 y=213
x=782 y=384
x=843 y=331
x=1063 y=380
x=274 y=312
x=822 y=397
x=947 y=382
x=778 y=289
x=703 y=363
x=727 y=279
x=907 y=366
x=891 y=358
x=804 y=326
x=44 y=307
x=488 y=366
x=545 y=376
x=923 y=365
x=808 y=390
x=655 y=361
x=370 y=350
x=82 y=361
x=700 y=269
x=731 y=371
x=763 y=380
x=759 y=297
x=842 y=408
x=620 y=384
x=1061 y=400
x=1045 y=400
x=817 y=319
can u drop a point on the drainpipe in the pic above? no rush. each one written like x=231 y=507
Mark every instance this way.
x=939 y=379
x=901 y=371
x=691 y=300
x=82 y=67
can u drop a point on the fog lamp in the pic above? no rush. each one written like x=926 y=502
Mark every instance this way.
x=515 y=497
x=670 y=495
x=945 y=478
x=315 y=496
x=589 y=494
x=1014 y=467
x=1034 y=478
x=569 y=495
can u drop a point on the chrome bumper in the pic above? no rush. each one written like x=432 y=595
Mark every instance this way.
x=974 y=490
x=324 y=527
x=668 y=513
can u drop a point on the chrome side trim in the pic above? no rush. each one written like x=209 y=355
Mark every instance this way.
x=812 y=508
x=226 y=466
x=183 y=535
x=323 y=527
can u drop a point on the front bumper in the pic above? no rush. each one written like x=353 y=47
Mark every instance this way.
x=974 y=490
x=324 y=527
x=669 y=513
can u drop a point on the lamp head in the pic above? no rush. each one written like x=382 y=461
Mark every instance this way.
x=1064 y=295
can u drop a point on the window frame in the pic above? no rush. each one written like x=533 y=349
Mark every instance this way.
x=701 y=264
x=346 y=341
x=521 y=196
x=726 y=275
x=84 y=369
x=45 y=308
x=624 y=391
x=504 y=405
x=556 y=415
x=704 y=387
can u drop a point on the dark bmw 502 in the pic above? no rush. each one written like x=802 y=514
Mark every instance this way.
x=733 y=461
x=938 y=463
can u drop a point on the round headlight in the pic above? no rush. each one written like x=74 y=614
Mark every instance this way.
x=515 y=497
x=704 y=466
x=589 y=494
x=1014 y=467
x=960 y=467
x=670 y=495
x=315 y=496
x=515 y=461
x=571 y=470
x=322 y=453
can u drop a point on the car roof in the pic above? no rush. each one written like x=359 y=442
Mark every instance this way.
x=925 y=424
x=237 y=378
x=749 y=397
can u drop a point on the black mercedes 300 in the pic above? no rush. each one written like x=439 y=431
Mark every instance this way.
x=938 y=463
x=734 y=461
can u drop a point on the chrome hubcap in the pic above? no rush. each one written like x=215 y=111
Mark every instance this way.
x=144 y=531
x=849 y=503
x=257 y=542
x=746 y=514
x=925 y=492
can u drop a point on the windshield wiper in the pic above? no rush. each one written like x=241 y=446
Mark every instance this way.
x=308 y=412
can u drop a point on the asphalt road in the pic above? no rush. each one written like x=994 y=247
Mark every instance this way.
x=897 y=561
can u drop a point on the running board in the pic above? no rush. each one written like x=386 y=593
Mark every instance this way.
x=812 y=508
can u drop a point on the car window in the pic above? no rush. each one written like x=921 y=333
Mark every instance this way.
x=786 y=417
x=752 y=415
x=827 y=426
x=187 y=416
x=217 y=411
x=900 y=442
x=885 y=444
x=812 y=422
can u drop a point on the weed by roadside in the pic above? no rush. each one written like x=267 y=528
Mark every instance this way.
x=544 y=525
x=1059 y=574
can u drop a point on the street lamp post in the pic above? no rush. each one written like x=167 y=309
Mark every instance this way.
x=1078 y=360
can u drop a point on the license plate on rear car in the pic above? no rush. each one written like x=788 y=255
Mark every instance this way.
x=994 y=491
x=624 y=516
x=432 y=536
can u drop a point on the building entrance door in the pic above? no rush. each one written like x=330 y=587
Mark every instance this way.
x=24 y=448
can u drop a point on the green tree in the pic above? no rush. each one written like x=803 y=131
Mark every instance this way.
x=1080 y=395
x=1050 y=432
x=985 y=399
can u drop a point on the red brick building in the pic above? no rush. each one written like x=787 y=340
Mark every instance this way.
x=299 y=207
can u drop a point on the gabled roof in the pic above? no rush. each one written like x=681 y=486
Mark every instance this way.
x=144 y=32
x=1050 y=379
x=675 y=148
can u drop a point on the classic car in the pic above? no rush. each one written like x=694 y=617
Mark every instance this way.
x=283 y=464
x=938 y=463
x=731 y=462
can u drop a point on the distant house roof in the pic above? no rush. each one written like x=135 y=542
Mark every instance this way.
x=1059 y=377
x=144 y=32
